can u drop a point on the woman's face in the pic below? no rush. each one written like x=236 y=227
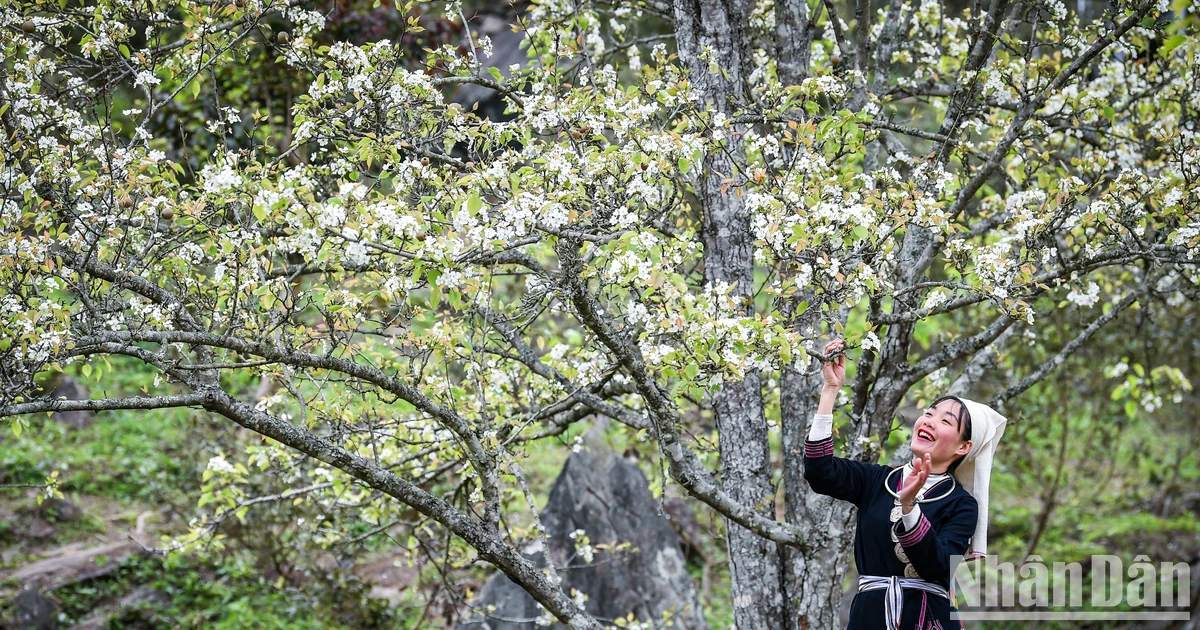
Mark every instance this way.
x=939 y=432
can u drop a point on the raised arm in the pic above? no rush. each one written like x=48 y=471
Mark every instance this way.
x=839 y=478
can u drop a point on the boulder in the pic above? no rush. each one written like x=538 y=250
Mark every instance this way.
x=606 y=498
x=136 y=608
x=685 y=523
x=35 y=611
x=69 y=389
x=60 y=510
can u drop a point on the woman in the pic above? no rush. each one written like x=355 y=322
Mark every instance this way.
x=912 y=521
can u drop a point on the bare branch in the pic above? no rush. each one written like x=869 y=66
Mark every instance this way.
x=1029 y=381
x=958 y=349
x=104 y=404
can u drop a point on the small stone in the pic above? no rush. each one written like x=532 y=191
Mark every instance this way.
x=60 y=510
x=35 y=611
x=69 y=389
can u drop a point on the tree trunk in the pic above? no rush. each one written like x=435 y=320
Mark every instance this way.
x=812 y=582
x=716 y=26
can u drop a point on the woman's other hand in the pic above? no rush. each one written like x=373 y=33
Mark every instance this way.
x=915 y=481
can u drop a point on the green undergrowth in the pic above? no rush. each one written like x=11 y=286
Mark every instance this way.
x=123 y=455
x=191 y=593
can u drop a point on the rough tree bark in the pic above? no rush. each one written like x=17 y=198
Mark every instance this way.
x=714 y=28
x=812 y=581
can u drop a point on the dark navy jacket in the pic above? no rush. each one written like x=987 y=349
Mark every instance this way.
x=944 y=530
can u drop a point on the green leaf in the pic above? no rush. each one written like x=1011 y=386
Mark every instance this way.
x=1171 y=44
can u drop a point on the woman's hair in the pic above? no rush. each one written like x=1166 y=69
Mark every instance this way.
x=964 y=420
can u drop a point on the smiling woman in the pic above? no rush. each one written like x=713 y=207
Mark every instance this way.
x=913 y=521
x=943 y=432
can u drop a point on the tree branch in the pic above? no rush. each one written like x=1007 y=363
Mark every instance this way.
x=487 y=543
x=957 y=349
x=104 y=404
x=685 y=468
x=1015 y=389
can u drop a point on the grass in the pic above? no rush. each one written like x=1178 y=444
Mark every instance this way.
x=194 y=594
x=123 y=455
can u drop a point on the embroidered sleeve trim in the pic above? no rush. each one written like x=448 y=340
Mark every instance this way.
x=820 y=448
x=918 y=532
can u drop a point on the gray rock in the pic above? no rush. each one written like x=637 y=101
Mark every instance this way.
x=69 y=389
x=607 y=497
x=685 y=523
x=34 y=611
x=60 y=510
x=135 y=609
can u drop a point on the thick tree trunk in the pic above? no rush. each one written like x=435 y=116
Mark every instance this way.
x=716 y=27
x=812 y=581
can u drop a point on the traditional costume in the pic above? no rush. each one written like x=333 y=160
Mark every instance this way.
x=904 y=560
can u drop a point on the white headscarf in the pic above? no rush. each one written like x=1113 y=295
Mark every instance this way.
x=975 y=471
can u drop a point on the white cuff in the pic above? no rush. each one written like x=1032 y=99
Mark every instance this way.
x=821 y=427
x=910 y=519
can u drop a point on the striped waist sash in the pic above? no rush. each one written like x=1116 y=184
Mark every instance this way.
x=894 y=598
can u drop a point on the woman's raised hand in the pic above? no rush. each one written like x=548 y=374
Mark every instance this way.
x=834 y=371
x=915 y=480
